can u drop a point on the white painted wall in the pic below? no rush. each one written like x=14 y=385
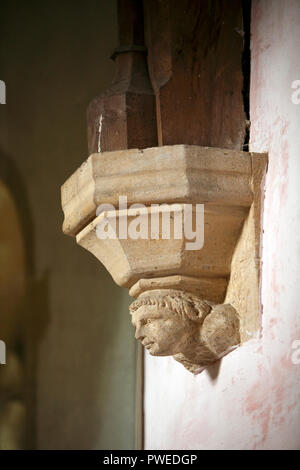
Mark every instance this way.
x=253 y=400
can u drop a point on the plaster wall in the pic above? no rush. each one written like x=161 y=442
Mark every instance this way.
x=251 y=399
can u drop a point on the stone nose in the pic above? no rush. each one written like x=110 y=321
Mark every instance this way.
x=139 y=331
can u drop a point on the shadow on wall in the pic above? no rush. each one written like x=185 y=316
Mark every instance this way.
x=214 y=370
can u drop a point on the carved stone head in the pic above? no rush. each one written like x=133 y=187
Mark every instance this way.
x=168 y=321
x=171 y=322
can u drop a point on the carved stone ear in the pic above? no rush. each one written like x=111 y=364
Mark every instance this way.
x=220 y=329
x=196 y=309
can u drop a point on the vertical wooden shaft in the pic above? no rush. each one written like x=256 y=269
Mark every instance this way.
x=124 y=116
x=195 y=63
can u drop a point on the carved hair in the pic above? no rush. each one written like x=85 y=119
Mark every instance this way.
x=180 y=303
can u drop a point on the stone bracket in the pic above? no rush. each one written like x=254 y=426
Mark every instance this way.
x=194 y=304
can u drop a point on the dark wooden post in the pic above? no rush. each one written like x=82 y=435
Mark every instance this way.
x=195 y=62
x=124 y=116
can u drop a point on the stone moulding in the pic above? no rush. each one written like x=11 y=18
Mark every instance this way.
x=196 y=305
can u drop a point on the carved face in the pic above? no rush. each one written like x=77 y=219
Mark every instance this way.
x=160 y=330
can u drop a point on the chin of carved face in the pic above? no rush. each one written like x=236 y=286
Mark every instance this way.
x=155 y=349
x=159 y=330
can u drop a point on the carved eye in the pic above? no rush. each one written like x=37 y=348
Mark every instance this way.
x=149 y=321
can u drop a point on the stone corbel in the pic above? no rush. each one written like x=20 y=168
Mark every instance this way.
x=193 y=304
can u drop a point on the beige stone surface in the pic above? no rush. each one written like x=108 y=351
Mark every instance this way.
x=179 y=292
x=179 y=173
x=244 y=286
x=129 y=260
x=212 y=289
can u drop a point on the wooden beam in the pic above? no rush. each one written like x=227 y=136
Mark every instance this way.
x=195 y=63
x=123 y=117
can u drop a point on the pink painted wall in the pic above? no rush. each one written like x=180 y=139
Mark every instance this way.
x=253 y=400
